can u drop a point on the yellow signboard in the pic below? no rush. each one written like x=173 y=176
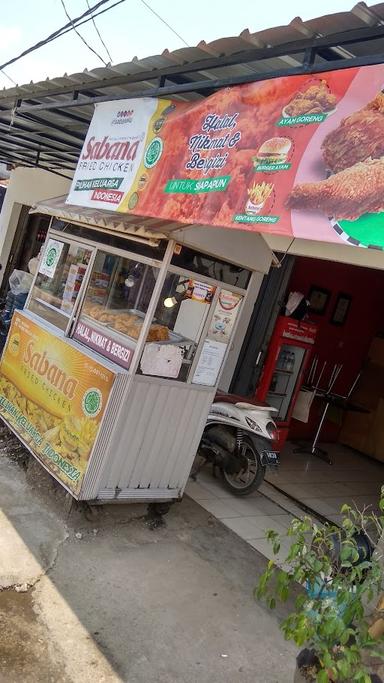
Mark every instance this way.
x=54 y=397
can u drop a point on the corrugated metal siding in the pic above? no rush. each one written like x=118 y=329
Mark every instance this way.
x=53 y=139
x=360 y=16
x=161 y=431
x=100 y=449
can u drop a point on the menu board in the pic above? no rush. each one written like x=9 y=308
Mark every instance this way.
x=300 y=156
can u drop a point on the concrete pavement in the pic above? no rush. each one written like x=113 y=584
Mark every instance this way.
x=111 y=600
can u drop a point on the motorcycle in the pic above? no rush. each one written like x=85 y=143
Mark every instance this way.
x=238 y=440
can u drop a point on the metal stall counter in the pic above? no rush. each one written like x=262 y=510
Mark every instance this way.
x=108 y=374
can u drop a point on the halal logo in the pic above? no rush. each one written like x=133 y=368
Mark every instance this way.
x=92 y=402
x=153 y=152
x=14 y=344
x=51 y=256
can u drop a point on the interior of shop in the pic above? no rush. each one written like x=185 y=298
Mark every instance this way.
x=347 y=365
x=342 y=372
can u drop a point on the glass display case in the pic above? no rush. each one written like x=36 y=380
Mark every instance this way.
x=288 y=356
x=99 y=295
x=178 y=323
x=58 y=282
x=116 y=300
x=284 y=378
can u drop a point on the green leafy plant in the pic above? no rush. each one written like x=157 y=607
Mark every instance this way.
x=341 y=577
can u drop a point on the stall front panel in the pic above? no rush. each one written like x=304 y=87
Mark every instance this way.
x=53 y=397
x=152 y=444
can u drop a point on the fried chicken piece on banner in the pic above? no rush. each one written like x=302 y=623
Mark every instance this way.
x=347 y=194
x=358 y=137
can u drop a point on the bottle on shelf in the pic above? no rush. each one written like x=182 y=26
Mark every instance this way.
x=292 y=360
x=281 y=361
x=273 y=384
x=289 y=362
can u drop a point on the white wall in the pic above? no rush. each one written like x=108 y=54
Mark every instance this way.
x=243 y=247
x=341 y=253
x=26 y=186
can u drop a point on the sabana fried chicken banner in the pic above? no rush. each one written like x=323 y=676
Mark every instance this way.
x=301 y=156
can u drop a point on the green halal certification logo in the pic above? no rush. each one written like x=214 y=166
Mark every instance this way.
x=153 y=152
x=51 y=257
x=92 y=402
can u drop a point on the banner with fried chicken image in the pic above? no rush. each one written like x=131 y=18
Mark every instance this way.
x=300 y=156
x=54 y=397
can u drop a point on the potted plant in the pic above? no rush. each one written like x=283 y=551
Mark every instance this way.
x=341 y=575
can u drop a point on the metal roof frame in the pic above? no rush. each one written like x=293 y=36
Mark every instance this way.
x=308 y=48
x=44 y=124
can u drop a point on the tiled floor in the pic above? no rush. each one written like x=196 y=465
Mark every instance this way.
x=320 y=487
x=352 y=478
x=248 y=517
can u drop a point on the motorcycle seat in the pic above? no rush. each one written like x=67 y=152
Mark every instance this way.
x=245 y=402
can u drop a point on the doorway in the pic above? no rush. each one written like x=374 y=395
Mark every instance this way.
x=347 y=306
x=29 y=237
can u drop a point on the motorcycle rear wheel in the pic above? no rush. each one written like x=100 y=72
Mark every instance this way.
x=250 y=477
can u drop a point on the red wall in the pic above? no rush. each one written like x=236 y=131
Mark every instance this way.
x=349 y=343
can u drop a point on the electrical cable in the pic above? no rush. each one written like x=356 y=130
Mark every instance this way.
x=280 y=263
x=165 y=22
x=100 y=36
x=9 y=78
x=64 y=29
x=85 y=21
x=79 y=34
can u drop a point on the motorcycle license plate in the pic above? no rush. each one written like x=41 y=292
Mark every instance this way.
x=270 y=458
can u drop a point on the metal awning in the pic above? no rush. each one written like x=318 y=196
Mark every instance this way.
x=138 y=227
x=43 y=124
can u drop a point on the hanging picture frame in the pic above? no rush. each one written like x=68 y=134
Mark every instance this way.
x=342 y=306
x=318 y=298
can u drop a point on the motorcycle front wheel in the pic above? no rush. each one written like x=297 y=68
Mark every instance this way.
x=251 y=474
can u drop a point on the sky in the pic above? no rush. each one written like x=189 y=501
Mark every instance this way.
x=132 y=30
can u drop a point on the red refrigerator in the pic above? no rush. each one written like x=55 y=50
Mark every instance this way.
x=287 y=360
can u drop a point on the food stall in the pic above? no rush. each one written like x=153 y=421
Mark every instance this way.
x=109 y=371
x=108 y=374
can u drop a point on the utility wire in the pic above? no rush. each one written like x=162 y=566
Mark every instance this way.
x=9 y=78
x=79 y=34
x=78 y=21
x=166 y=23
x=85 y=21
x=99 y=34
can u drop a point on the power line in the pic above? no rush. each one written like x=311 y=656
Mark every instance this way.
x=85 y=21
x=166 y=23
x=79 y=34
x=9 y=78
x=99 y=34
x=64 y=29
